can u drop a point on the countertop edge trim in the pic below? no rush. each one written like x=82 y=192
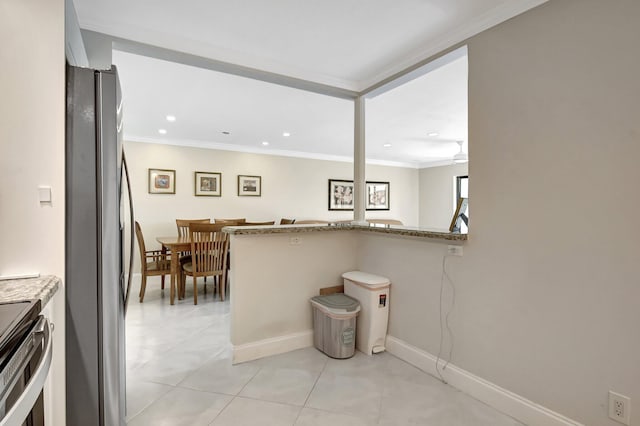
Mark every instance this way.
x=283 y=229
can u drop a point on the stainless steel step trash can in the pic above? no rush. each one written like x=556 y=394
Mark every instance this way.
x=334 y=324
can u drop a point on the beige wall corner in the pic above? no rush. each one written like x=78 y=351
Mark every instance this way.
x=32 y=126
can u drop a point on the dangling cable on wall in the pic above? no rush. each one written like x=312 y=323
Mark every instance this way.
x=444 y=318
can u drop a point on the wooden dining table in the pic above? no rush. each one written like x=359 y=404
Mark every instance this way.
x=175 y=245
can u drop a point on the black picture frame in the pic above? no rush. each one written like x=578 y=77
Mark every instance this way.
x=377 y=195
x=340 y=195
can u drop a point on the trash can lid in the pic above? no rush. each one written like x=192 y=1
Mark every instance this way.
x=366 y=279
x=337 y=302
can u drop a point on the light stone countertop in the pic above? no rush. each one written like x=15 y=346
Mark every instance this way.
x=42 y=288
x=384 y=229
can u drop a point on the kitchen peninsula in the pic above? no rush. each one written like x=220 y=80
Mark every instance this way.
x=275 y=270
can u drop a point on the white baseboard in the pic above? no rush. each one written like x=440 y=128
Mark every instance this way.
x=273 y=346
x=521 y=409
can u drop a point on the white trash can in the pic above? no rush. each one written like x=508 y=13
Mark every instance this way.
x=372 y=291
x=334 y=324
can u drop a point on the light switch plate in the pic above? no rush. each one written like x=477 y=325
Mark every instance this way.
x=44 y=194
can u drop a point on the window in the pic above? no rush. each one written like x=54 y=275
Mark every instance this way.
x=462 y=191
x=462 y=187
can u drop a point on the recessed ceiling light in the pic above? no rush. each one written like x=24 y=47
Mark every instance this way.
x=171 y=118
x=286 y=134
x=387 y=145
x=226 y=133
x=265 y=143
x=432 y=134
x=162 y=131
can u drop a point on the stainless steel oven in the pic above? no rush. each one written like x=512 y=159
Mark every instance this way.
x=25 y=358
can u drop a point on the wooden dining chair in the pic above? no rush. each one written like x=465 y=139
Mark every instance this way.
x=284 y=221
x=209 y=250
x=273 y=222
x=230 y=222
x=152 y=263
x=385 y=221
x=183 y=231
x=183 y=225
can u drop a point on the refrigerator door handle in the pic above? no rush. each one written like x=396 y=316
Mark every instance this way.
x=131 y=231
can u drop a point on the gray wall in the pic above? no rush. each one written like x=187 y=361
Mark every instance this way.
x=548 y=300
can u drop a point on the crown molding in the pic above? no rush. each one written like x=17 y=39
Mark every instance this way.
x=266 y=151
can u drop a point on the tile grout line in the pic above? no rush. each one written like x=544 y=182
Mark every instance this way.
x=249 y=381
x=152 y=402
x=194 y=370
x=304 y=405
x=221 y=411
x=384 y=387
x=253 y=398
x=233 y=397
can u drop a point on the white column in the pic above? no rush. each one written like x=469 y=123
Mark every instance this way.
x=359 y=162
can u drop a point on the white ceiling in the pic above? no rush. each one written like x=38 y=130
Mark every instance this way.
x=350 y=44
x=207 y=103
x=407 y=116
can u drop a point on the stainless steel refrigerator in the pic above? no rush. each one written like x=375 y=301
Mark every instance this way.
x=96 y=292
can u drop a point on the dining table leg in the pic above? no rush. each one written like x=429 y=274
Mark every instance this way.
x=174 y=272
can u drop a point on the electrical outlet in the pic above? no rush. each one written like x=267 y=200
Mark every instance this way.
x=619 y=408
x=454 y=250
x=295 y=241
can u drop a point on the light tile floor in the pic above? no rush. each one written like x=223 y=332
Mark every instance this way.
x=179 y=372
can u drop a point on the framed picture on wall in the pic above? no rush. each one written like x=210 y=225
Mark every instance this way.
x=162 y=181
x=377 y=195
x=249 y=186
x=208 y=184
x=340 y=194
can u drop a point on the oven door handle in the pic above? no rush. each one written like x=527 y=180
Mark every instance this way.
x=26 y=401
